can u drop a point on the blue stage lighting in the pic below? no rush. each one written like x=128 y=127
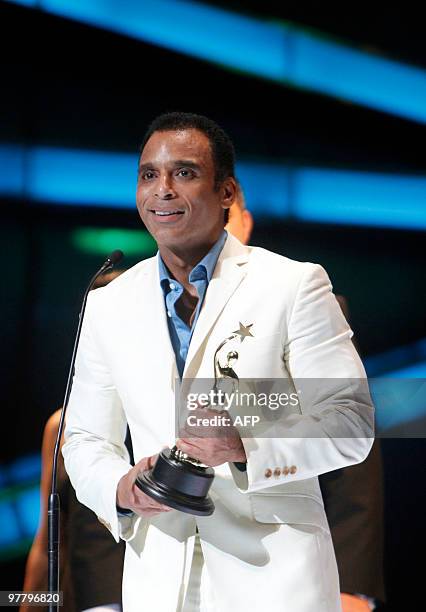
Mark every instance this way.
x=365 y=79
x=24 y=469
x=71 y=176
x=271 y=50
x=210 y=33
x=27 y=505
x=398 y=385
x=108 y=179
x=397 y=360
x=266 y=188
x=12 y=170
x=400 y=403
x=30 y=3
x=11 y=534
x=360 y=198
x=417 y=370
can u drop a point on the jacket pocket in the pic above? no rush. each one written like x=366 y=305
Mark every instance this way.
x=291 y=509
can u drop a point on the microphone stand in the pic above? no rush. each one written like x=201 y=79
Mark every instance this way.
x=54 y=509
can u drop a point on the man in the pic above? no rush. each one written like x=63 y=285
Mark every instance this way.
x=353 y=496
x=267 y=545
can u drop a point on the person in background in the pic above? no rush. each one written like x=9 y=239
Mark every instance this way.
x=353 y=496
x=91 y=562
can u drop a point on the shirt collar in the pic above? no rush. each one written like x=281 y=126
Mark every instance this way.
x=203 y=270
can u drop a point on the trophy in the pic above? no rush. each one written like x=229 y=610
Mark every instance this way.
x=178 y=480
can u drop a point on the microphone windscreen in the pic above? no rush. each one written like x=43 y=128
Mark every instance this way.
x=116 y=256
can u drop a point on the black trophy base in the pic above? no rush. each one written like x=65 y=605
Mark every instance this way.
x=178 y=484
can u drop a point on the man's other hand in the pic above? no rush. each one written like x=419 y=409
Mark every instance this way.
x=215 y=444
x=130 y=497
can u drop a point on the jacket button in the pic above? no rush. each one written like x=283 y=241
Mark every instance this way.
x=293 y=469
x=268 y=473
x=285 y=471
x=277 y=472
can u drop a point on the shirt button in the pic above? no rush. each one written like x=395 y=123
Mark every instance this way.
x=172 y=286
x=169 y=314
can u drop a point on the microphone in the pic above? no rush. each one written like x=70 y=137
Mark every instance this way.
x=114 y=258
x=54 y=509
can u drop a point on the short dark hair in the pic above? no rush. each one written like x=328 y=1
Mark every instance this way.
x=223 y=153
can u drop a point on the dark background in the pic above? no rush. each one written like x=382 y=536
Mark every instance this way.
x=66 y=84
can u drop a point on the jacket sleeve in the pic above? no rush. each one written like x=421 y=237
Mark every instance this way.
x=333 y=426
x=94 y=451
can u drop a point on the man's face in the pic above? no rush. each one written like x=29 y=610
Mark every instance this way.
x=176 y=195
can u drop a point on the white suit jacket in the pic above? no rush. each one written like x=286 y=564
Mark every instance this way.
x=267 y=544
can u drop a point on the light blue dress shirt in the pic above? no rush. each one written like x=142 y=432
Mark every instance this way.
x=200 y=276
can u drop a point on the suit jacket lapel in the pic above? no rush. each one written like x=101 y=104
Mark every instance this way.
x=228 y=274
x=150 y=306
